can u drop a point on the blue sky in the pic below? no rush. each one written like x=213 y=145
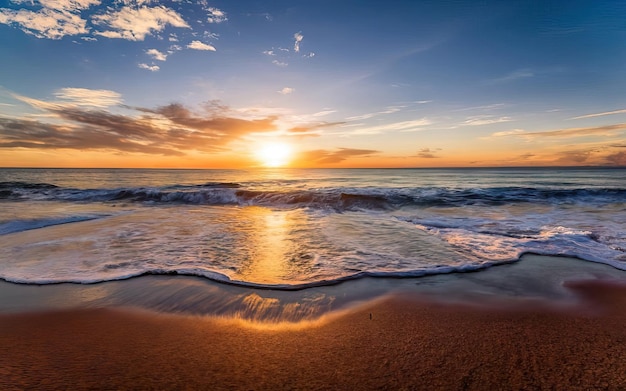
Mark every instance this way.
x=342 y=83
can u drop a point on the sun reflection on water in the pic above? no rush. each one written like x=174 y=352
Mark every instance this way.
x=270 y=246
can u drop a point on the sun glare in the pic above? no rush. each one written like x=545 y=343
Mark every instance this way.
x=274 y=154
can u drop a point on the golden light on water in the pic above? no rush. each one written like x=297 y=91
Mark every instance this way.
x=270 y=246
x=274 y=154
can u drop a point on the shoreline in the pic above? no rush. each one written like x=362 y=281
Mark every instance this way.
x=405 y=340
x=533 y=278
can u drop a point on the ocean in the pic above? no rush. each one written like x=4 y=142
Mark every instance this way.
x=290 y=229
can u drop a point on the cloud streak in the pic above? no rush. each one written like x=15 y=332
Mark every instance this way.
x=622 y=111
x=403 y=126
x=88 y=97
x=323 y=156
x=482 y=120
x=607 y=130
x=312 y=129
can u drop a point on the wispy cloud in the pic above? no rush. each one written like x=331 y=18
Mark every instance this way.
x=298 y=38
x=313 y=129
x=621 y=111
x=323 y=156
x=388 y=110
x=135 y=24
x=511 y=132
x=402 y=126
x=88 y=97
x=168 y=130
x=323 y=113
x=606 y=130
x=481 y=120
x=483 y=108
x=286 y=90
x=73 y=98
x=513 y=76
x=151 y=68
x=157 y=55
x=197 y=45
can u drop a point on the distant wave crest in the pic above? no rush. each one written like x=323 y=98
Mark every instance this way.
x=338 y=199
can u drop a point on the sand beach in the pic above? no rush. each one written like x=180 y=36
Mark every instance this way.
x=401 y=340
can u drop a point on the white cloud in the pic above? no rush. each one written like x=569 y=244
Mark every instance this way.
x=68 y=5
x=197 y=45
x=279 y=63
x=157 y=55
x=89 y=39
x=298 y=37
x=622 y=111
x=269 y=52
x=173 y=38
x=286 y=91
x=135 y=24
x=310 y=55
x=151 y=68
x=216 y=15
x=45 y=23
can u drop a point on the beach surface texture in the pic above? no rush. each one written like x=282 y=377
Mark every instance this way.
x=399 y=342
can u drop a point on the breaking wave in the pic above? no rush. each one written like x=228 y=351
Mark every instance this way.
x=338 y=199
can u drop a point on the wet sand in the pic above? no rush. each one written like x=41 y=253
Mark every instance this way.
x=408 y=343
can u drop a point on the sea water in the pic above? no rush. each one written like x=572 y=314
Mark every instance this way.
x=298 y=228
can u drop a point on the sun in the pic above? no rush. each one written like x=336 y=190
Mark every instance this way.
x=274 y=154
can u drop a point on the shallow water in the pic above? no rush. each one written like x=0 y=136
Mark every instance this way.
x=291 y=229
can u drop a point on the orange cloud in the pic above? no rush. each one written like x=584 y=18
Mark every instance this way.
x=168 y=130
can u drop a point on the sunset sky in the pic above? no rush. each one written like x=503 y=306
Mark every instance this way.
x=214 y=84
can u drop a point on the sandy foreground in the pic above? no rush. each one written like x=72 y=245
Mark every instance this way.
x=408 y=343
